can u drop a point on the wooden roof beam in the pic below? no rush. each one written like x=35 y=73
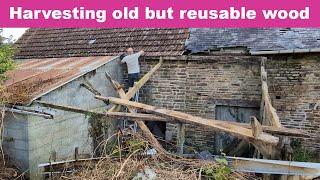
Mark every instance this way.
x=235 y=130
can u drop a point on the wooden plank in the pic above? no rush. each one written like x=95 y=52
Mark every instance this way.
x=86 y=84
x=180 y=138
x=142 y=81
x=277 y=131
x=255 y=127
x=237 y=131
x=136 y=86
x=270 y=115
x=154 y=142
x=149 y=117
x=116 y=85
x=129 y=116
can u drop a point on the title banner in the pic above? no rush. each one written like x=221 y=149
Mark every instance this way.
x=159 y=13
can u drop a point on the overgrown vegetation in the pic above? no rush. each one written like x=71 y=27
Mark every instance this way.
x=8 y=169
x=128 y=160
x=303 y=154
x=220 y=173
x=6 y=53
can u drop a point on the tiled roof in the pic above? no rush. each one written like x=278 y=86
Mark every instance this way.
x=36 y=77
x=48 y=43
x=44 y=43
x=255 y=39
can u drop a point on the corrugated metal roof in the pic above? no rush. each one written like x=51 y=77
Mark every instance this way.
x=36 y=77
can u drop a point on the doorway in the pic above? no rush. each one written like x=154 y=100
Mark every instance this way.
x=232 y=114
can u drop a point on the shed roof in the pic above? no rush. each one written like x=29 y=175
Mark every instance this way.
x=44 y=43
x=36 y=77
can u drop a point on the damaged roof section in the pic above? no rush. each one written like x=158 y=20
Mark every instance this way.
x=36 y=77
x=50 y=43
x=254 y=39
x=71 y=42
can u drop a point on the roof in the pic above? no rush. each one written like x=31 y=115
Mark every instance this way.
x=48 y=43
x=36 y=77
x=255 y=39
x=44 y=43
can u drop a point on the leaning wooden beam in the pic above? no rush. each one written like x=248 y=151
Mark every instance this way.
x=276 y=131
x=255 y=127
x=154 y=142
x=129 y=116
x=116 y=85
x=180 y=138
x=150 y=117
x=136 y=86
x=86 y=84
x=142 y=81
x=240 y=132
x=269 y=115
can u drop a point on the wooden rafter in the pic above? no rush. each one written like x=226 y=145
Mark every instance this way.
x=240 y=132
x=129 y=116
x=86 y=84
x=150 y=117
x=269 y=114
x=154 y=142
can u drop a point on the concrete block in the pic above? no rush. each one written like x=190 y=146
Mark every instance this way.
x=22 y=145
x=22 y=155
x=17 y=134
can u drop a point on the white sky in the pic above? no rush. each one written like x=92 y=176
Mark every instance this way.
x=15 y=32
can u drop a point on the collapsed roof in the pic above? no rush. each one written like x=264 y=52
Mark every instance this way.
x=48 y=43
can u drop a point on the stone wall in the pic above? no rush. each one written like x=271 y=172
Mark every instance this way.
x=196 y=85
x=67 y=130
x=294 y=86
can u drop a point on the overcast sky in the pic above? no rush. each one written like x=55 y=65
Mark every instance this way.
x=15 y=32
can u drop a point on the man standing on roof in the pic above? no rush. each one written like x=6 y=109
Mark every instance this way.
x=132 y=60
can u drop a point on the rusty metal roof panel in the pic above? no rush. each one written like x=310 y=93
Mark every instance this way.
x=36 y=77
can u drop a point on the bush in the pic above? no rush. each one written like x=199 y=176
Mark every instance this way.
x=6 y=53
x=302 y=154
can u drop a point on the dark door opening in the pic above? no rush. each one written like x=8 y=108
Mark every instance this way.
x=238 y=114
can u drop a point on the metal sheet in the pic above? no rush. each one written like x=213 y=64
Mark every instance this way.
x=36 y=77
x=274 y=166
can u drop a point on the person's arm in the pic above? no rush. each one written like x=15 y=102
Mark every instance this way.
x=124 y=60
x=141 y=52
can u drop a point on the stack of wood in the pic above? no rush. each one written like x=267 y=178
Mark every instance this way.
x=265 y=137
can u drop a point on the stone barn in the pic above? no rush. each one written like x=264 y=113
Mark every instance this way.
x=34 y=134
x=212 y=73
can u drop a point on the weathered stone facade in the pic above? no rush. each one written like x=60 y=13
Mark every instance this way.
x=197 y=84
x=294 y=86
